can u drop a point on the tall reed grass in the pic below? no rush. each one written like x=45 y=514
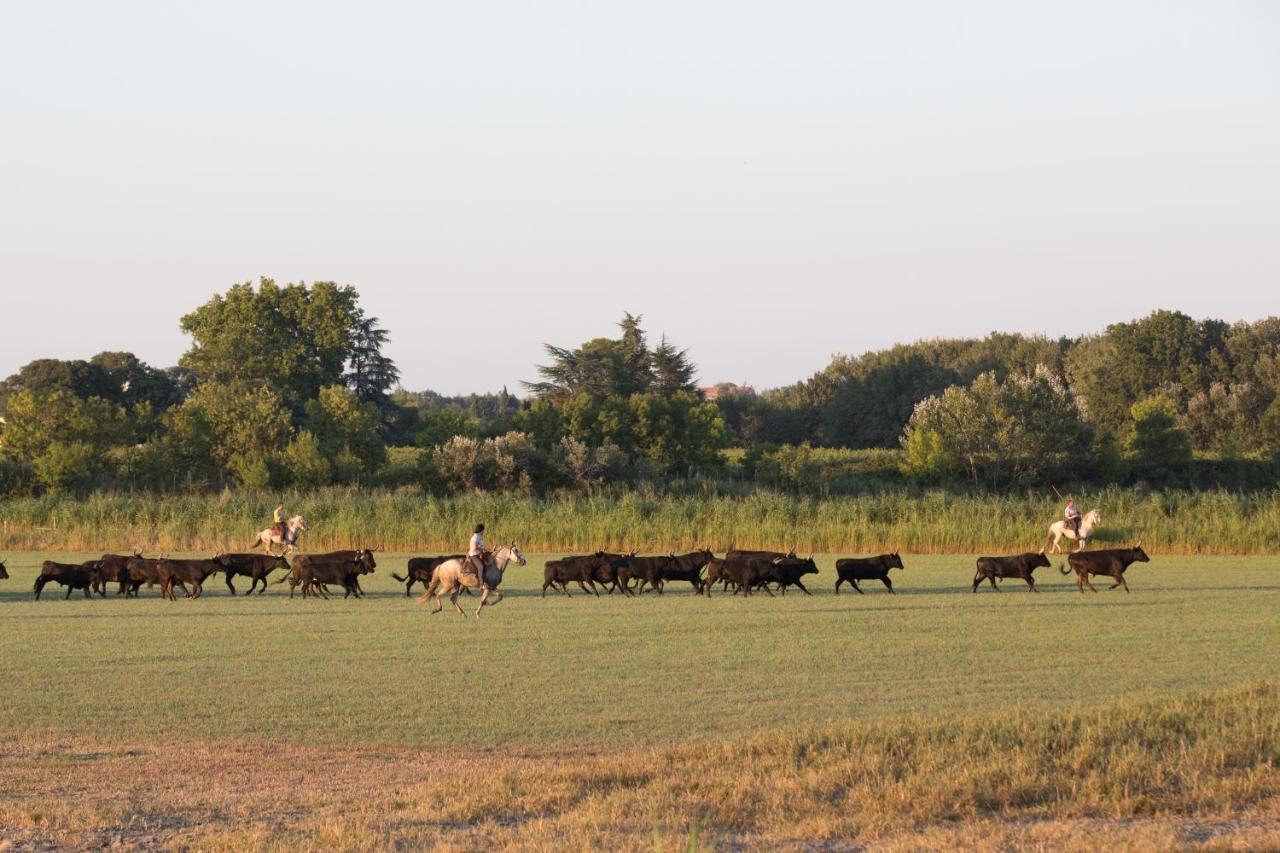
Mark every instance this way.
x=1171 y=522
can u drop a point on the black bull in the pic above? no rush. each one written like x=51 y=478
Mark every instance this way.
x=1015 y=566
x=1109 y=563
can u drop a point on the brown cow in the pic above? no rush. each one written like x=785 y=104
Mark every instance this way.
x=1016 y=566
x=4 y=573
x=1109 y=563
x=113 y=568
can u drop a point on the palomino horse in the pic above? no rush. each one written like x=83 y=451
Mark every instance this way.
x=289 y=540
x=449 y=577
x=1088 y=523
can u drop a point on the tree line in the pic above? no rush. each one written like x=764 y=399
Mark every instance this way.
x=288 y=385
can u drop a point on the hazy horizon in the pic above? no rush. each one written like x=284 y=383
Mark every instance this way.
x=767 y=185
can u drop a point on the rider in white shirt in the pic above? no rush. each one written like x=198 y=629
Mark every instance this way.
x=475 y=553
x=1073 y=516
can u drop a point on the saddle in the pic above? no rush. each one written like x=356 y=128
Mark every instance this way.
x=278 y=530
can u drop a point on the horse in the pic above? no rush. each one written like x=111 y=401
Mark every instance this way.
x=289 y=540
x=1088 y=523
x=449 y=577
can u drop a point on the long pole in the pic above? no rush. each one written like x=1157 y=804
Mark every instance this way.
x=1056 y=492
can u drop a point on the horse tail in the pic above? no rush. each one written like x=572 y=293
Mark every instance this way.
x=255 y=544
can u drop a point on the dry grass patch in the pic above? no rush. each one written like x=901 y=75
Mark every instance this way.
x=1202 y=770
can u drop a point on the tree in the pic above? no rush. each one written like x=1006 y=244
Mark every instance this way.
x=1158 y=447
x=65 y=440
x=1021 y=429
x=133 y=381
x=293 y=340
x=673 y=372
x=614 y=367
x=437 y=426
x=347 y=432
x=77 y=378
x=242 y=431
x=673 y=432
x=371 y=375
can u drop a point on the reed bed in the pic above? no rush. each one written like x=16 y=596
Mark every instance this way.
x=407 y=519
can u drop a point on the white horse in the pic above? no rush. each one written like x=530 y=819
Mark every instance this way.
x=1059 y=529
x=289 y=540
x=449 y=577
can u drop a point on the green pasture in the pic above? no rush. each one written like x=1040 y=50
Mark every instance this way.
x=585 y=673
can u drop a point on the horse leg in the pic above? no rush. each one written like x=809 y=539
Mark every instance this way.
x=453 y=599
x=484 y=598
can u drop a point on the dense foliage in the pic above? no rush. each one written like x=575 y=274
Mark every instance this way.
x=289 y=385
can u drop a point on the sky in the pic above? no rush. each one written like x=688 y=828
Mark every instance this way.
x=767 y=183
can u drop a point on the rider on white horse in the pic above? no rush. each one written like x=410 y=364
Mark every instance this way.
x=474 y=564
x=278 y=517
x=1073 y=516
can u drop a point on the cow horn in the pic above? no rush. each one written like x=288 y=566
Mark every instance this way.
x=1139 y=545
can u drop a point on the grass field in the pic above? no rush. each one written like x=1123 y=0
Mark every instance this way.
x=544 y=691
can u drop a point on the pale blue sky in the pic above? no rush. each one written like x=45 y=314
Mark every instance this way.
x=768 y=183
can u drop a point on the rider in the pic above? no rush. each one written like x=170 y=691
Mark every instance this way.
x=476 y=554
x=278 y=519
x=1073 y=516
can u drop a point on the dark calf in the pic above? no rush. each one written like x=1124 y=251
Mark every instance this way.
x=256 y=567
x=853 y=569
x=1109 y=563
x=1016 y=566
x=4 y=573
x=68 y=574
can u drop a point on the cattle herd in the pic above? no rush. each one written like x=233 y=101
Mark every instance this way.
x=629 y=574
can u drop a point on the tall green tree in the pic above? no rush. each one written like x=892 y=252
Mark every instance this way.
x=293 y=339
x=371 y=374
x=614 y=367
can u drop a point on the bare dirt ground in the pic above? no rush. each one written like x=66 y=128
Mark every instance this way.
x=225 y=796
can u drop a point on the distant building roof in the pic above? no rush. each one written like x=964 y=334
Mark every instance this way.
x=711 y=393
